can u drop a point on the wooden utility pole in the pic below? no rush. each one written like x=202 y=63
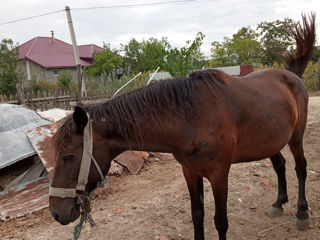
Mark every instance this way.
x=319 y=73
x=76 y=55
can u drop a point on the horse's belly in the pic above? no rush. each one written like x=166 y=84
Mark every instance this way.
x=263 y=145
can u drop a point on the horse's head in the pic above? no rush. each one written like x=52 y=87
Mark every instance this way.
x=72 y=148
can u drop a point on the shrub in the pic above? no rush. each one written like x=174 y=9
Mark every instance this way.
x=310 y=77
x=95 y=88
x=65 y=79
x=34 y=84
x=47 y=86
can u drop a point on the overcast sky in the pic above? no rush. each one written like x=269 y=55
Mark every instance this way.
x=179 y=22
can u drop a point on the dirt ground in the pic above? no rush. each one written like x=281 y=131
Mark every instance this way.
x=154 y=204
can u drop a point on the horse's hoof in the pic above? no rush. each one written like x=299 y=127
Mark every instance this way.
x=275 y=212
x=303 y=224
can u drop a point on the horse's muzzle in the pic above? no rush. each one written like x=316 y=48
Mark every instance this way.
x=66 y=217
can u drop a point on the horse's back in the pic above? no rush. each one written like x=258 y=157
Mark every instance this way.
x=269 y=106
x=288 y=79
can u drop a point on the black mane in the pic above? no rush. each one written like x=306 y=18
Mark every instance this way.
x=126 y=115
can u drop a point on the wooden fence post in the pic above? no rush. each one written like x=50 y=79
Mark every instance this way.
x=20 y=96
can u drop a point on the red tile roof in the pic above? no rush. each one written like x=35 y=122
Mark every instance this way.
x=48 y=54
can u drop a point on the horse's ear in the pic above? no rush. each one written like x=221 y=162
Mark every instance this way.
x=80 y=118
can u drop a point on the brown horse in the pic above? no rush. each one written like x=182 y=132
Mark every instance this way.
x=208 y=120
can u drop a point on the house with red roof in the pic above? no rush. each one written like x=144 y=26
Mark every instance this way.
x=44 y=58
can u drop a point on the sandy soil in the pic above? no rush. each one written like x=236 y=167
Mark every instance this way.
x=155 y=204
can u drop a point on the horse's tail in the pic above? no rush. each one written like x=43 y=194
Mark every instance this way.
x=305 y=36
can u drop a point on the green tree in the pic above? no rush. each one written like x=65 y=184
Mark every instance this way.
x=221 y=54
x=179 y=61
x=132 y=52
x=105 y=62
x=316 y=54
x=145 y=55
x=153 y=54
x=275 y=39
x=246 y=46
x=200 y=61
x=242 y=48
x=10 y=74
x=149 y=54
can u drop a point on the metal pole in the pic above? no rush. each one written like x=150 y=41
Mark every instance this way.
x=319 y=73
x=126 y=84
x=76 y=53
x=153 y=75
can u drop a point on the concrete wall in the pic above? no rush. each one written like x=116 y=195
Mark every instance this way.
x=40 y=73
x=52 y=74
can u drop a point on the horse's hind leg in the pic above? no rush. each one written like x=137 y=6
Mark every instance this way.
x=301 y=165
x=278 y=163
x=195 y=187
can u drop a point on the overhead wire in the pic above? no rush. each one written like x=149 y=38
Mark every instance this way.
x=27 y=18
x=105 y=7
x=139 y=5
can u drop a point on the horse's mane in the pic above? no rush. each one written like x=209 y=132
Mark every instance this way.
x=124 y=116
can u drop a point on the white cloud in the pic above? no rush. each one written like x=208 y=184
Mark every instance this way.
x=178 y=22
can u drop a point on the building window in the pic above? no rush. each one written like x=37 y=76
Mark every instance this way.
x=55 y=72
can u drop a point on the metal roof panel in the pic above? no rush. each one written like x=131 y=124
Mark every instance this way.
x=15 y=121
x=24 y=199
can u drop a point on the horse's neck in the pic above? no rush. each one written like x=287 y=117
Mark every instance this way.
x=148 y=119
x=155 y=137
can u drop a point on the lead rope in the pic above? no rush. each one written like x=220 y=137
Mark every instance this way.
x=85 y=206
x=84 y=198
x=84 y=202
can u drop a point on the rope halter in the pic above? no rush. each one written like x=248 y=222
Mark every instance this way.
x=84 y=168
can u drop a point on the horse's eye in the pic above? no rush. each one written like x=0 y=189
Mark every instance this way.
x=68 y=157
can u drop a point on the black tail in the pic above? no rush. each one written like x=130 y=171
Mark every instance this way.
x=305 y=36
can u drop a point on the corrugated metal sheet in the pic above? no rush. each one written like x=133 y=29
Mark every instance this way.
x=15 y=121
x=41 y=139
x=24 y=199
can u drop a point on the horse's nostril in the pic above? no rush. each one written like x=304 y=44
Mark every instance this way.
x=55 y=216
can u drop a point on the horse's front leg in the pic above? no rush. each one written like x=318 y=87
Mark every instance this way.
x=219 y=183
x=195 y=187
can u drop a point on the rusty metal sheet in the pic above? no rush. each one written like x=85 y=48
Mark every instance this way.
x=36 y=171
x=15 y=121
x=41 y=139
x=132 y=160
x=24 y=199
